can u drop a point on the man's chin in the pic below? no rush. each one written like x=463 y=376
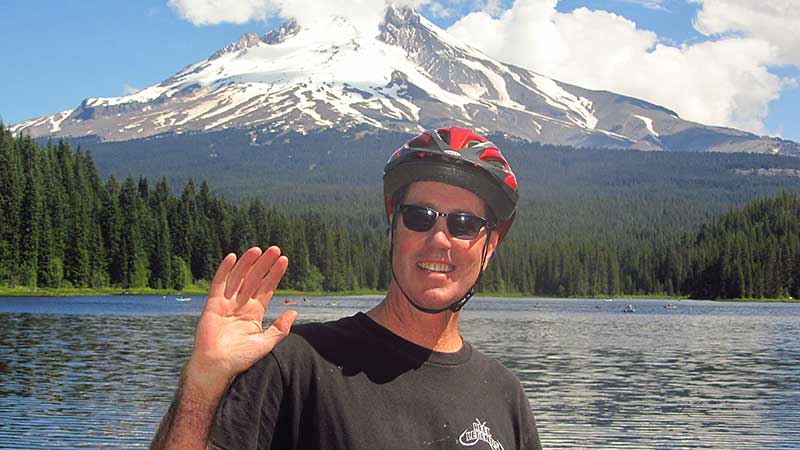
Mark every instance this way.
x=438 y=298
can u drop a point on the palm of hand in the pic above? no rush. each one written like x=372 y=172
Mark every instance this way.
x=229 y=336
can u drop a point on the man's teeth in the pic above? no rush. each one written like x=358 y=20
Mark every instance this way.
x=435 y=267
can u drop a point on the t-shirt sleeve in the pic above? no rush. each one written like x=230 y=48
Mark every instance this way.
x=529 y=435
x=248 y=413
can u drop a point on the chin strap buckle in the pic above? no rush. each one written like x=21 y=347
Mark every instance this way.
x=456 y=307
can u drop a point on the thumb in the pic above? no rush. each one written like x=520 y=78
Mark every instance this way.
x=278 y=330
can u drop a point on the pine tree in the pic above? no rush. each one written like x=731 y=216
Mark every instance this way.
x=32 y=210
x=303 y=277
x=111 y=222
x=11 y=195
x=132 y=251
x=183 y=225
x=258 y=218
x=76 y=258
x=243 y=233
x=51 y=250
x=97 y=251
x=161 y=263
x=55 y=223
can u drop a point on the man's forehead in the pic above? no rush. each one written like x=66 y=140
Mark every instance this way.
x=441 y=194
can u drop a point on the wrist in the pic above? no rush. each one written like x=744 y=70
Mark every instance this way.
x=202 y=384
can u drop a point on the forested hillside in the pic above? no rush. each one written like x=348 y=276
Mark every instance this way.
x=634 y=232
x=565 y=191
x=64 y=227
x=751 y=252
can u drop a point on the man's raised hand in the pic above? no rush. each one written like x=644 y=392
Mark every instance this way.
x=229 y=337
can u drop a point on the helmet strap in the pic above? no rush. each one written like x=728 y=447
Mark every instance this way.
x=455 y=306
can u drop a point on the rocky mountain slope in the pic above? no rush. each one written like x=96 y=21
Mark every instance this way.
x=407 y=75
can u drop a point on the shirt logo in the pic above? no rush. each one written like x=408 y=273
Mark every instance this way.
x=479 y=432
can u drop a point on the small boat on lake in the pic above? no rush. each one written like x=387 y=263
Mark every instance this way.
x=289 y=302
x=629 y=309
x=183 y=299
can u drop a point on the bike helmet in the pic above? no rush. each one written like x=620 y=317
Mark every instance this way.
x=460 y=157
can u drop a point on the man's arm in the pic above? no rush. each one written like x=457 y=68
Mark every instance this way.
x=187 y=423
x=229 y=339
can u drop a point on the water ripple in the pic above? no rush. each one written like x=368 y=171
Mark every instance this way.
x=100 y=373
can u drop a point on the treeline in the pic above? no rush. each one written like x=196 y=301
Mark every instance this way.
x=62 y=226
x=751 y=252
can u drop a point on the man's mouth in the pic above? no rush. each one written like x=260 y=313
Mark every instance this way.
x=435 y=267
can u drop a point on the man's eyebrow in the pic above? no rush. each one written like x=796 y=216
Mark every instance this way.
x=457 y=210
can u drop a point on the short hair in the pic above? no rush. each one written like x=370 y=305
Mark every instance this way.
x=399 y=196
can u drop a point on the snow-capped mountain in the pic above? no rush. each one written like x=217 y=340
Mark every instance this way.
x=407 y=75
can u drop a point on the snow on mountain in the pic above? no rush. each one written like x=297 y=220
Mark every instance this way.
x=407 y=75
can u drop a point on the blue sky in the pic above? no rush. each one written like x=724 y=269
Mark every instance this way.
x=58 y=53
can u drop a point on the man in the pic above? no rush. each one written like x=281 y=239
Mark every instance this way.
x=399 y=376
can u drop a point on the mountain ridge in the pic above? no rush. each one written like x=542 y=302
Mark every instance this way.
x=409 y=76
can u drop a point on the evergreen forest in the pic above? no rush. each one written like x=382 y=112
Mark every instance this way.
x=64 y=225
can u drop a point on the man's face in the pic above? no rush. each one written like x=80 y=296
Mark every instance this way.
x=434 y=268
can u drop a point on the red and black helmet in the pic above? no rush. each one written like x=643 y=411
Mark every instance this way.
x=459 y=157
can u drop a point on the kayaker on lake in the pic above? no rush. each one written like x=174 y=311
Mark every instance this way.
x=399 y=376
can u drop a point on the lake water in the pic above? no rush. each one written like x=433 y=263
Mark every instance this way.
x=99 y=372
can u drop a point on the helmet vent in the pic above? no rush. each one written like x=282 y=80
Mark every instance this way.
x=495 y=162
x=473 y=143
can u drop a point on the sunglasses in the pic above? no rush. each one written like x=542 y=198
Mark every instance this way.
x=459 y=225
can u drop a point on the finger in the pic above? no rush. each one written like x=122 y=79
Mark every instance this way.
x=284 y=322
x=270 y=282
x=240 y=270
x=257 y=273
x=218 y=282
x=278 y=330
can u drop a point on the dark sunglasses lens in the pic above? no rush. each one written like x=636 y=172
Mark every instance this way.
x=464 y=226
x=417 y=218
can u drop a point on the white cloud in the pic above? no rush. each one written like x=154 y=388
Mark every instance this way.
x=210 y=12
x=775 y=21
x=493 y=7
x=360 y=12
x=657 y=5
x=437 y=9
x=724 y=81
x=128 y=89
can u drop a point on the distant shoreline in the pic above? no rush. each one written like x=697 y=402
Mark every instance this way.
x=193 y=290
x=201 y=290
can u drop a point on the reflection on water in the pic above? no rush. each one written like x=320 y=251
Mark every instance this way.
x=100 y=372
x=90 y=381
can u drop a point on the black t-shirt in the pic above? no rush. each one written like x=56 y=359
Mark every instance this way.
x=352 y=384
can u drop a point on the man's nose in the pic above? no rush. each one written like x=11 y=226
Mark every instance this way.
x=439 y=236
